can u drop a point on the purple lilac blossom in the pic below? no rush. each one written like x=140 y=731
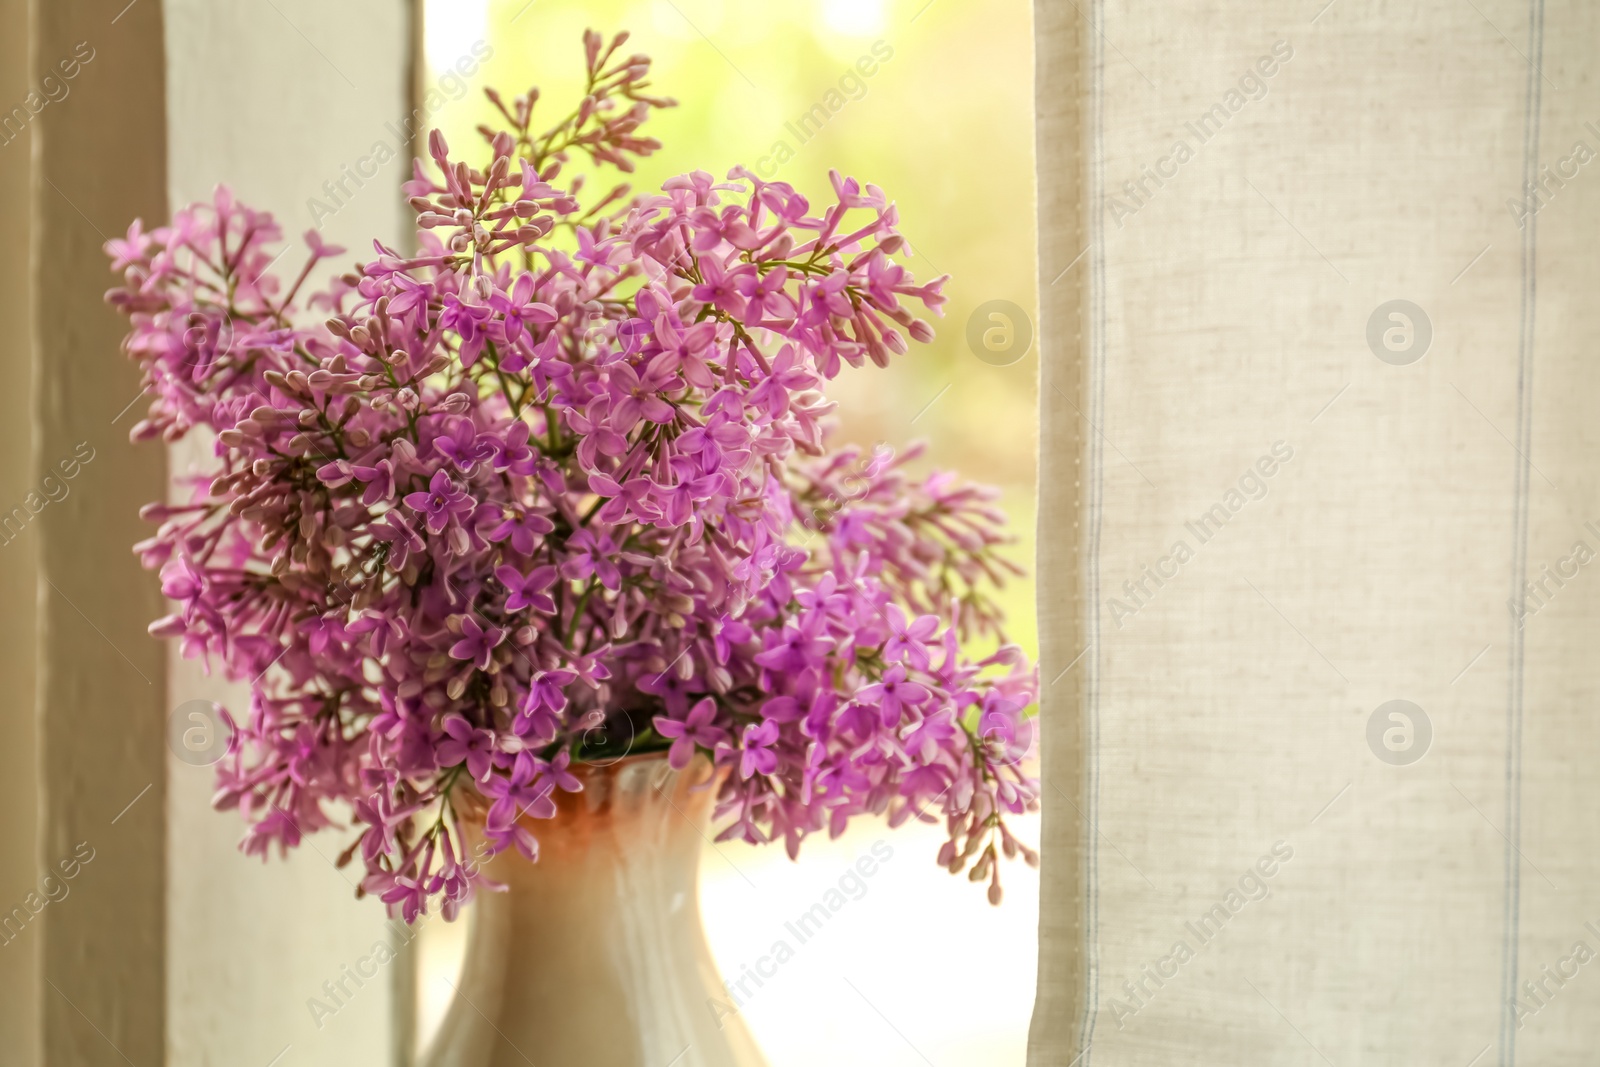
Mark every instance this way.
x=561 y=473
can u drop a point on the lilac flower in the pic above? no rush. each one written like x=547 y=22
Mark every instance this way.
x=528 y=591
x=467 y=744
x=461 y=445
x=384 y=631
x=758 y=757
x=523 y=529
x=556 y=775
x=320 y=250
x=893 y=695
x=453 y=885
x=382 y=820
x=507 y=482
x=509 y=451
x=321 y=632
x=696 y=728
x=924 y=740
x=728 y=633
x=592 y=553
x=477 y=643
x=519 y=311
x=635 y=397
x=182 y=581
x=409 y=894
x=682 y=351
x=393 y=530
x=468 y=320
x=630 y=500
x=379 y=479
x=907 y=640
x=441 y=503
x=673 y=691
x=125 y=253
x=537 y=724
x=764 y=294
x=548 y=689
x=515 y=796
x=600 y=438
x=797 y=646
x=725 y=288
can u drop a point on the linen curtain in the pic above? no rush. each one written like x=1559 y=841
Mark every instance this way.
x=1318 y=532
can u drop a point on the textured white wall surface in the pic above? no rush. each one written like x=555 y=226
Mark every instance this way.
x=276 y=99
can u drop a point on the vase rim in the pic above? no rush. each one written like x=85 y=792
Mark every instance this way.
x=700 y=772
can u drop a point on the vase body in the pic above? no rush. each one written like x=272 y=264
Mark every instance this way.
x=595 y=956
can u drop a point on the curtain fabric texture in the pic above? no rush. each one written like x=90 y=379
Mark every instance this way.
x=1319 y=532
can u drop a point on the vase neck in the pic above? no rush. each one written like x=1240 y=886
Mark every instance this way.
x=595 y=954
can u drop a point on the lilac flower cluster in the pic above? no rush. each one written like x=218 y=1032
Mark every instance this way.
x=553 y=488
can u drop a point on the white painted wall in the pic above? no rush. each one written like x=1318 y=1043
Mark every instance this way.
x=274 y=97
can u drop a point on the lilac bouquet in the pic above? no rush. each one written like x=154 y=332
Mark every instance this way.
x=554 y=488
